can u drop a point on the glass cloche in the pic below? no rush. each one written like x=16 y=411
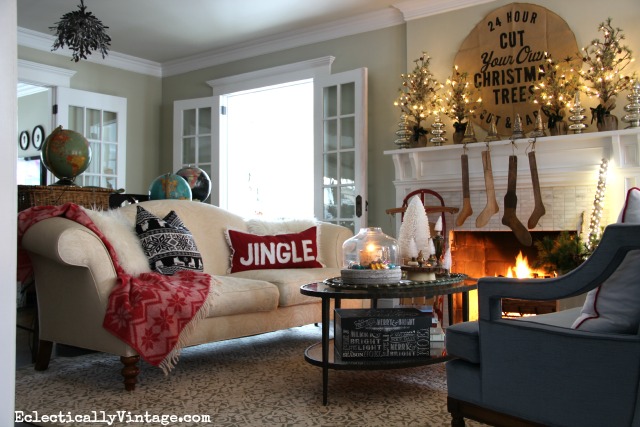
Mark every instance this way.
x=370 y=249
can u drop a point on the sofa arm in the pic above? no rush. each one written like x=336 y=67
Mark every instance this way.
x=65 y=243
x=331 y=238
x=616 y=242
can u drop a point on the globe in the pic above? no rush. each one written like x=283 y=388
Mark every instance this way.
x=66 y=154
x=198 y=181
x=169 y=186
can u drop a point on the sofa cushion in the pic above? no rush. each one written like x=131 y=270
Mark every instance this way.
x=462 y=341
x=613 y=306
x=168 y=244
x=288 y=282
x=236 y=295
x=256 y=252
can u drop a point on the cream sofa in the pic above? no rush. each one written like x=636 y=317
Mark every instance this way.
x=74 y=275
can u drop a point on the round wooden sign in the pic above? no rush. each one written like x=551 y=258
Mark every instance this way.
x=504 y=55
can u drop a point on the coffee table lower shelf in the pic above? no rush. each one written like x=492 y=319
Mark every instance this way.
x=313 y=355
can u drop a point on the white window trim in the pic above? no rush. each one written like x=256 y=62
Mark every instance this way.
x=252 y=80
x=272 y=76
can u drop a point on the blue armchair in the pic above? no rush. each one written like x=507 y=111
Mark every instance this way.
x=546 y=370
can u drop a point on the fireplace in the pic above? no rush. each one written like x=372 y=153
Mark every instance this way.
x=568 y=169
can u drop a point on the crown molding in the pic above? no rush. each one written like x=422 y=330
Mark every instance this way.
x=416 y=9
x=315 y=34
x=273 y=76
x=292 y=39
x=43 y=42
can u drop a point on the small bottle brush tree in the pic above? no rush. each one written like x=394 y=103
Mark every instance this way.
x=416 y=97
x=606 y=60
x=556 y=88
x=461 y=100
x=414 y=231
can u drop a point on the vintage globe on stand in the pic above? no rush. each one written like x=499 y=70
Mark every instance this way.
x=66 y=154
x=169 y=186
x=198 y=180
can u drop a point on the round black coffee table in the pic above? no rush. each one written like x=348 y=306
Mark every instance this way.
x=322 y=353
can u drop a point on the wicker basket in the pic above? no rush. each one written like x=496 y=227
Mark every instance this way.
x=41 y=195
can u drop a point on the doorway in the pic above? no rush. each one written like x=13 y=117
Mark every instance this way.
x=269 y=148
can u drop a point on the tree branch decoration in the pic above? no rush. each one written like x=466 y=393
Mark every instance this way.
x=556 y=88
x=417 y=94
x=462 y=99
x=606 y=60
x=82 y=32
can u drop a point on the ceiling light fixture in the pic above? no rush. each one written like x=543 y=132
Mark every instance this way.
x=82 y=32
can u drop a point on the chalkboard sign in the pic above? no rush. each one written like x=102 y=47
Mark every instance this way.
x=382 y=333
x=504 y=55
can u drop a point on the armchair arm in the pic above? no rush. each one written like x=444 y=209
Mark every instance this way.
x=616 y=242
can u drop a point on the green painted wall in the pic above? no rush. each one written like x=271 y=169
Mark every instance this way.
x=144 y=97
x=382 y=52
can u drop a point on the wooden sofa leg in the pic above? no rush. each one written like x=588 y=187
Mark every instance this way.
x=130 y=371
x=44 y=355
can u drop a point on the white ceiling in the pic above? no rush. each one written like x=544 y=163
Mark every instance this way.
x=166 y=31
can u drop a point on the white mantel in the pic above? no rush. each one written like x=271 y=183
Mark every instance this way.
x=568 y=168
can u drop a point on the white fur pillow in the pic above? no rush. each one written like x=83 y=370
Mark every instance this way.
x=121 y=233
x=264 y=228
x=614 y=306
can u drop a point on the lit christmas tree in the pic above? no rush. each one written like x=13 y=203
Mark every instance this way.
x=418 y=95
x=606 y=61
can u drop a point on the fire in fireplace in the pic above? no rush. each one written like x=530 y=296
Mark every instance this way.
x=496 y=253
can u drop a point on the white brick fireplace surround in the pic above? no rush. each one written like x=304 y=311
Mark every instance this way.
x=568 y=168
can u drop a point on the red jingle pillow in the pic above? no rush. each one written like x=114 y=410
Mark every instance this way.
x=291 y=250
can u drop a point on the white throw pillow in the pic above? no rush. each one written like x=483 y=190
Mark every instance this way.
x=614 y=306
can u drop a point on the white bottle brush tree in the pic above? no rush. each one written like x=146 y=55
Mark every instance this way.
x=414 y=231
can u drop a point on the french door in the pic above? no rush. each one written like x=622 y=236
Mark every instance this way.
x=340 y=145
x=340 y=128
x=102 y=119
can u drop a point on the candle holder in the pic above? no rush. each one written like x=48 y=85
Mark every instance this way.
x=576 y=118
x=633 y=110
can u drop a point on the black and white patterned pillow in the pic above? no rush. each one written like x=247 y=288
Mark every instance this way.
x=168 y=244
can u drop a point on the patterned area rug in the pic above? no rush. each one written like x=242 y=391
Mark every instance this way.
x=255 y=381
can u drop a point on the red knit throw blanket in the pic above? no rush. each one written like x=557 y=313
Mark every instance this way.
x=152 y=313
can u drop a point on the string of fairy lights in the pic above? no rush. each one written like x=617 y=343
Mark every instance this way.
x=598 y=207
